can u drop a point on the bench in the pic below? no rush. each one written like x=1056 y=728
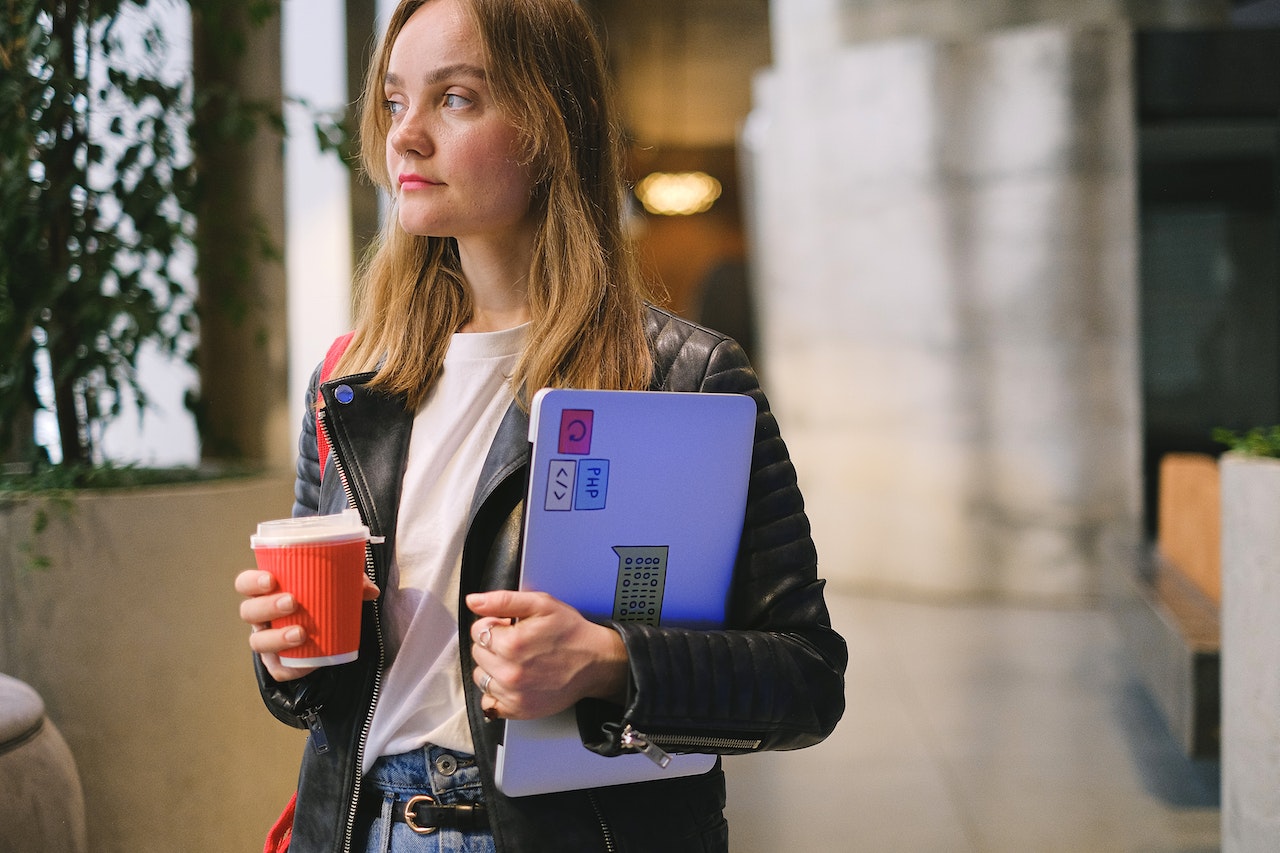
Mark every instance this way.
x=1171 y=619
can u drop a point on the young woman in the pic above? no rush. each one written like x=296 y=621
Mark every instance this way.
x=504 y=269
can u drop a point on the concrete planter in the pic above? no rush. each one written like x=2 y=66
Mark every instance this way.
x=1250 y=654
x=41 y=802
x=131 y=637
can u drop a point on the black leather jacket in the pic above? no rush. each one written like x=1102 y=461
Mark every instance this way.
x=779 y=666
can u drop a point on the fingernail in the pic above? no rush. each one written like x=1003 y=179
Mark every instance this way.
x=285 y=603
x=293 y=635
x=265 y=582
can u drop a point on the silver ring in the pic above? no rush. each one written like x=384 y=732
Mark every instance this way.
x=484 y=685
x=483 y=639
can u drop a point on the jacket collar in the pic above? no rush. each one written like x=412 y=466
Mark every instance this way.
x=369 y=432
x=508 y=452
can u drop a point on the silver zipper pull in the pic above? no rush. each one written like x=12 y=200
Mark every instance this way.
x=319 y=740
x=639 y=741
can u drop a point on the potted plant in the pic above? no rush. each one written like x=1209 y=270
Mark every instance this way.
x=1250 y=639
x=116 y=604
x=96 y=222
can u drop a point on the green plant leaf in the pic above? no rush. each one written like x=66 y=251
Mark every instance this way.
x=1258 y=441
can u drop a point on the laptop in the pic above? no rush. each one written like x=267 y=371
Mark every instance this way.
x=634 y=514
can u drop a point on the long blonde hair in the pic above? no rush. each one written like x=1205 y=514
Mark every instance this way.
x=547 y=72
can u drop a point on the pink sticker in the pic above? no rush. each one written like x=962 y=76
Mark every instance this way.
x=575 y=430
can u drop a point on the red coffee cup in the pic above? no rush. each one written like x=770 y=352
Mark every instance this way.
x=321 y=560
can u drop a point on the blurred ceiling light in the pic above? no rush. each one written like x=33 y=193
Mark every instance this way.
x=678 y=193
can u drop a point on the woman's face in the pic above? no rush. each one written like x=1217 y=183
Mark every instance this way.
x=452 y=155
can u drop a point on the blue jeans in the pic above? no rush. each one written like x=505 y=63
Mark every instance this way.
x=449 y=777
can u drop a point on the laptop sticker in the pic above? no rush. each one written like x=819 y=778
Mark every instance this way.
x=593 y=484
x=575 y=431
x=560 y=477
x=642 y=579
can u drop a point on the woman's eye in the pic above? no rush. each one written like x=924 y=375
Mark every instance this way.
x=454 y=101
x=393 y=107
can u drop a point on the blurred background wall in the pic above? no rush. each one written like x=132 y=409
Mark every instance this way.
x=998 y=257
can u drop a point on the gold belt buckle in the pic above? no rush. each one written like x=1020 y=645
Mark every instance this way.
x=410 y=809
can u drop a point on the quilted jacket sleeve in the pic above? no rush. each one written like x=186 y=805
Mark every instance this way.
x=774 y=679
x=306 y=487
x=288 y=700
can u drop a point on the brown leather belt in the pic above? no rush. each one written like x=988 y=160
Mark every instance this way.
x=424 y=815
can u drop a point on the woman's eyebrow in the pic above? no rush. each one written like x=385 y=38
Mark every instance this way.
x=438 y=75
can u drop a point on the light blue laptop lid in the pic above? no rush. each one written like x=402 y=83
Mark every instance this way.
x=634 y=513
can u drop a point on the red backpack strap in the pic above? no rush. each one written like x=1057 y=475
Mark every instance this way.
x=281 y=832
x=336 y=349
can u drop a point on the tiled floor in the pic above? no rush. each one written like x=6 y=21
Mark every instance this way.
x=980 y=729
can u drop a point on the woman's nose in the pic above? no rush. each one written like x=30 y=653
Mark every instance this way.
x=410 y=135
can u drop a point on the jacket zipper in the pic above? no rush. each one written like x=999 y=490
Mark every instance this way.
x=604 y=826
x=637 y=741
x=349 y=828
x=319 y=740
x=652 y=746
x=634 y=740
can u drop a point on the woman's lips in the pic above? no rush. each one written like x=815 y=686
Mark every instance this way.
x=415 y=182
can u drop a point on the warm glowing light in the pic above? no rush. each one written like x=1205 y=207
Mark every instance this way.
x=678 y=193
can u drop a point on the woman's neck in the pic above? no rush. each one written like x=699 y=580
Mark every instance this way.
x=495 y=320
x=497 y=277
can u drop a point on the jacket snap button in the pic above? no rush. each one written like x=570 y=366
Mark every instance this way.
x=344 y=394
x=447 y=765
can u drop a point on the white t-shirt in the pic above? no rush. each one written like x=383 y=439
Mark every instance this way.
x=422 y=699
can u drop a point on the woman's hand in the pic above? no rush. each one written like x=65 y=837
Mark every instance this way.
x=264 y=602
x=536 y=656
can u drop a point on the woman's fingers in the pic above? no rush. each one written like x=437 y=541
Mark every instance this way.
x=254 y=582
x=264 y=640
x=264 y=603
x=265 y=608
x=283 y=673
x=536 y=655
x=269 y=642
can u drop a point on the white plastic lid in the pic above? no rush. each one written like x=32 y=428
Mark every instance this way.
x=344 y=526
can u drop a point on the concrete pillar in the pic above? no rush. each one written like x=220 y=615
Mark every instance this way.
x=243 y=354
x=944 y=246
x=1250 y=654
